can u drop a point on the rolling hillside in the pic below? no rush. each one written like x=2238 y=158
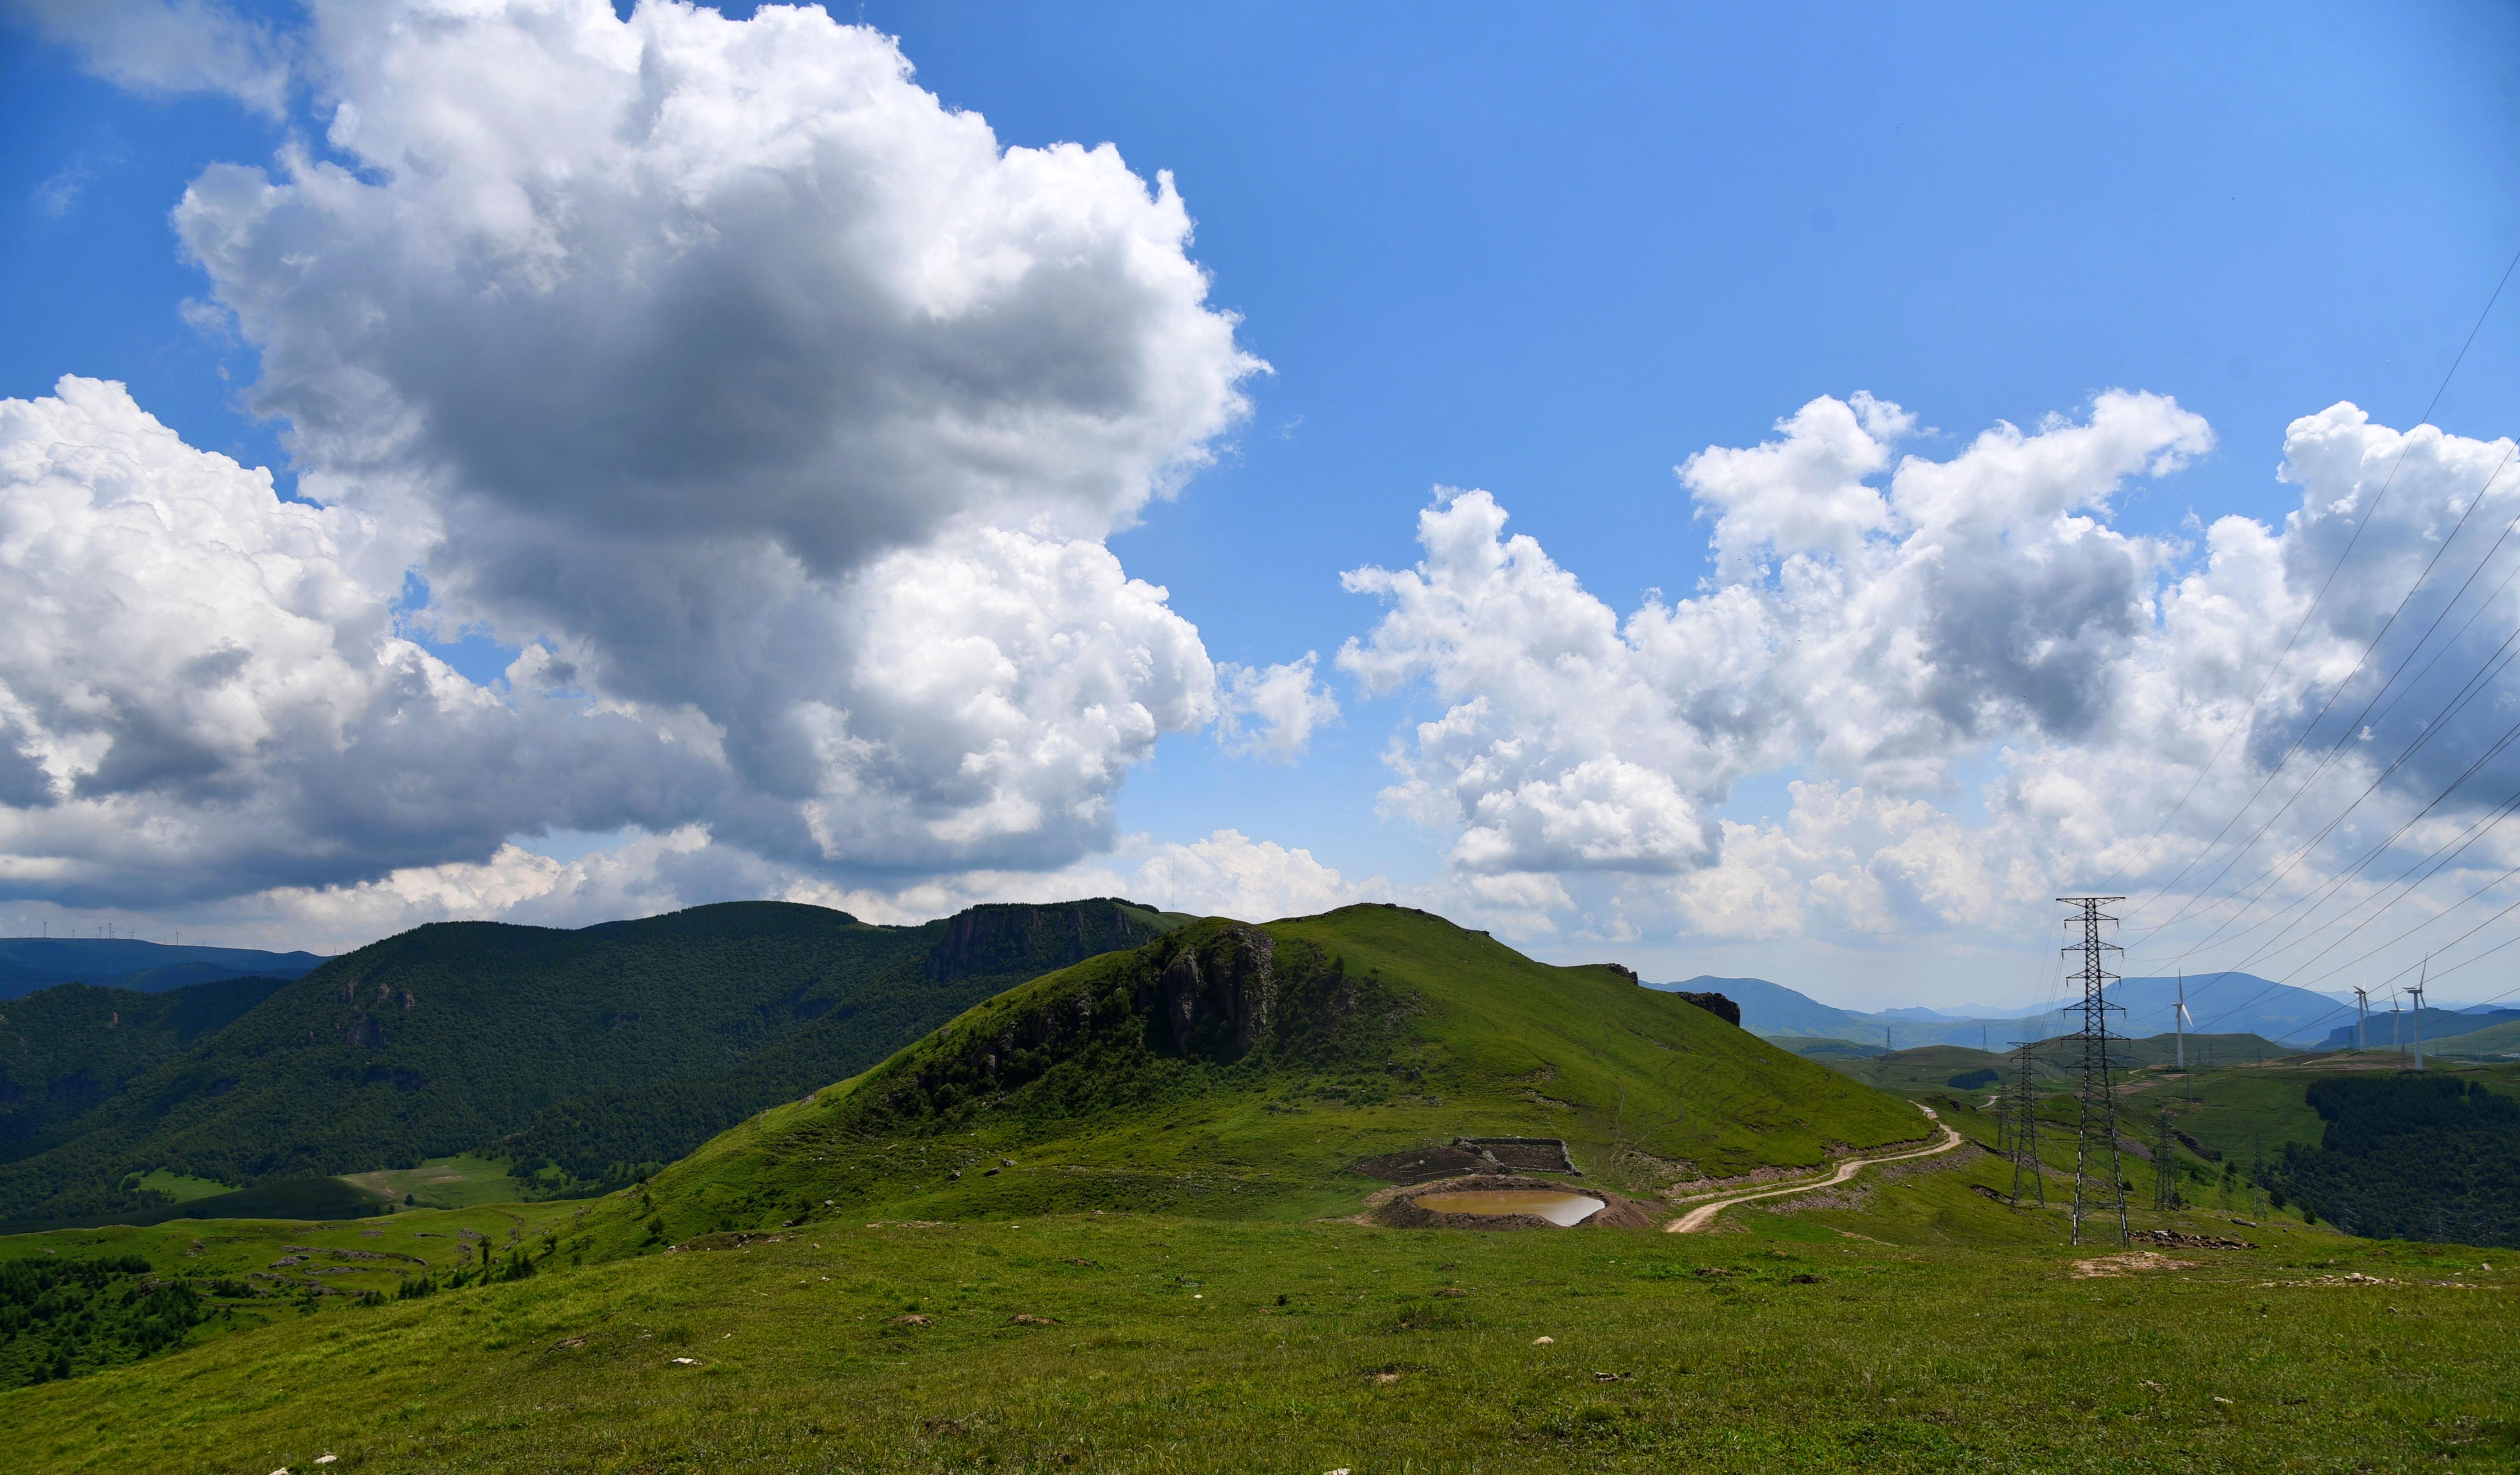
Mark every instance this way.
x=1235 y=1071
x=2495 y=1041
x=2450 y=1032
x=591 y=1055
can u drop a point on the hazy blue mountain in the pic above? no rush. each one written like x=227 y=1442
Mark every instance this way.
x=1773 y=1009
x=2219 y=1003
x=28 y=964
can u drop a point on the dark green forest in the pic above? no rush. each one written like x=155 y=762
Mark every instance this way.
x=60 y=1318
x=66 y=1050
x=2411 y=1157
x=601 y=1052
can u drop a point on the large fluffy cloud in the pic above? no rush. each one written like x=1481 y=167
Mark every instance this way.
x=199 y=693
x=771 y=408
x=1894 y=623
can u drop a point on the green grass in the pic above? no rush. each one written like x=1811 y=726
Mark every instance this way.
x=177 y=1187
x=450 y=1182
x=1923 y=1329
x=1926 y=1070
x=2493 y=1042
x=1821 y=1047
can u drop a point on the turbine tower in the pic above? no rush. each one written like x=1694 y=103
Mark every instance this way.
x=2179 y=1021
x=2421 y=980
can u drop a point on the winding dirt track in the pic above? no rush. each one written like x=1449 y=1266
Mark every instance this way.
x=1698 y=1217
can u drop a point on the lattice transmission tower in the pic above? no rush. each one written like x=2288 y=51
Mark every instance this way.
x=2097 y=1096
x=2021 y=1116
x=2165 y=1164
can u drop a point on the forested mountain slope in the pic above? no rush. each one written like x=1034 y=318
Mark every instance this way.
x=606 y=1050
x=69 y=1049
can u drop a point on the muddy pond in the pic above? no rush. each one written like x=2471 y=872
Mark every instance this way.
x=1559 y=1208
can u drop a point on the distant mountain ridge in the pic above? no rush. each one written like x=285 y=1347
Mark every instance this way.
x=2220 y=1004
x=28 y=964
x=592 y=1055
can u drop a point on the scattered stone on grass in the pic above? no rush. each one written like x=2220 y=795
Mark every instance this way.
x=1027 y=1318
x=1544 y=1341
x=911 y=1318
x=724 y=1240
x=686 y=1362
x=2131 y=1261
x=2173 y=1239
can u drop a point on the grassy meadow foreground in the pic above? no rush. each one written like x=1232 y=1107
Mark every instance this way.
x=1914 y=1327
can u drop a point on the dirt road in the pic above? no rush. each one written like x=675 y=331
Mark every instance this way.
x=1699 y=1217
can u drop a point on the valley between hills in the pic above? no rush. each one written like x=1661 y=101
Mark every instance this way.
x=1097 y=1188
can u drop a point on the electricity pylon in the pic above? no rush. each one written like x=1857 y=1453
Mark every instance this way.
x=2096 y=1094
x=2165 y=1182
x=2022 y=1112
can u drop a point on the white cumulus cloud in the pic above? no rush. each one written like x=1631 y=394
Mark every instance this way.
x=773 y=409
x=1274 y=711
x=1989 y=692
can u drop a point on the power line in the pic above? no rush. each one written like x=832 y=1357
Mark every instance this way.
x=2321 y=596
x=2368 y=650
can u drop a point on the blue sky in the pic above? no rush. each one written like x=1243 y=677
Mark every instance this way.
x=1552 y=257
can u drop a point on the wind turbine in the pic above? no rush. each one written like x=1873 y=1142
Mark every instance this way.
x=2181 y=1021
x=2421 y=979
x=2361 y=1015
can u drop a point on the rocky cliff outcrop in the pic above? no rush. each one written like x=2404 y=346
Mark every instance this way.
x=1713 y=1003
x=1014 y=937
x=1215 y=1000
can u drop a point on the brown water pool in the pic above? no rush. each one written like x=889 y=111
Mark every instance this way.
x=1559 y=1208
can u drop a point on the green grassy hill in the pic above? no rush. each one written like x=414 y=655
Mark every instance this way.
x=2495 y=1043
x=1229 y=1071
x=588 y=1056
x=1819 y=1047
x=1928 y=1069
